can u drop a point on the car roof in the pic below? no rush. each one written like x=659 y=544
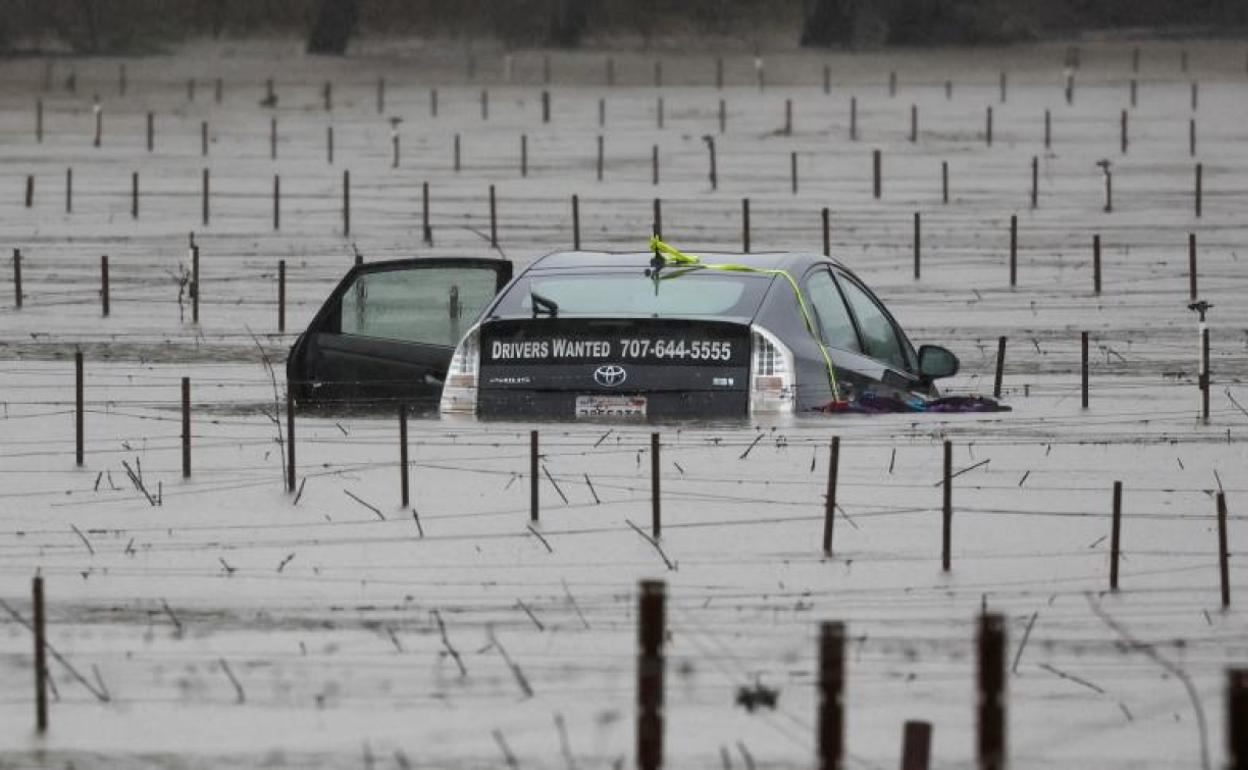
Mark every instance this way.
x=765 y=260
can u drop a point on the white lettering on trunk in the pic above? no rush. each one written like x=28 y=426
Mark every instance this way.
x=565 y=348
x=527 y=349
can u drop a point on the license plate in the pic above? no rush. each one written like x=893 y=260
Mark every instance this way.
x=610 y=406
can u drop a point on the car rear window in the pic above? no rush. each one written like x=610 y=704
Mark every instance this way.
x=703 y=293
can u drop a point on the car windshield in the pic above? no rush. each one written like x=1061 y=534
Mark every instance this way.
x=704 y=293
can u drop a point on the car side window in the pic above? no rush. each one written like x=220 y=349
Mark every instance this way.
x=833 y=318
x=427 y=305
x=878 y=333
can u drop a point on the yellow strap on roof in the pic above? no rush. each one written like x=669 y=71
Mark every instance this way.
x=689 y=262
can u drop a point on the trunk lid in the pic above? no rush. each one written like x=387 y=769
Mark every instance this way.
x=589 y=366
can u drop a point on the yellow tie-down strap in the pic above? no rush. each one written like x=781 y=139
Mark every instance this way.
x=688 y=262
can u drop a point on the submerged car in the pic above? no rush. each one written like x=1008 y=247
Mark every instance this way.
x=603 y=334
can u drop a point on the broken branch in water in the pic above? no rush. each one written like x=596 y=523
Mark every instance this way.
x=564 y=745
x=1151 y=651
x=394 y=639
x=508 y=757
x=575 y=606
x=1236 y=403
x=554 y=484
x=446 y=642
x=275 y=417
x=521 y=679
x=177 y=624
x=369 y=506
x=238 y=688
x=1071 y=677
x=964 y=470
x=753 y=444
x=99 y=681
x=654 y=543
x=83 y=537
x=1023 y=644
x=529 y=612
x=592 y=491
x=136 y=478
x=538 y=535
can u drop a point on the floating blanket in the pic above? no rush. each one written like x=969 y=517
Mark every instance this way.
x=874 y=403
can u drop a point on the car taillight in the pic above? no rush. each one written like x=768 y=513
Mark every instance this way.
x=459 y=391
x=772 y=386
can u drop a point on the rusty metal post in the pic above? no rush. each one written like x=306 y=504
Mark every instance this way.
x=346 y=203
x=1223 y=553
x=1000 y=375
x=918 y=246
x=745 y=225
x=1191 y=266
x=104 y=304
x=946 y=547
x=493 y=219
x=916 y=745
x=426 y=229
x=1200 y=173
x=41 y=662
x=1096 y=264
x=876 y=170
x=831 y=738
x=1237 y=719
x=78 y=408
x=194 y=281
x=1115 y=537
x=829 y=507
x=534 y=500
x=651 y=634
x=17 y=277
x=1083 y=343
x=825 y=216
x=186 y=427
x=992 y=704
x=281 y=296
x=1013 y=250
x=403 y=467
x=656 y=514
x=290 y=439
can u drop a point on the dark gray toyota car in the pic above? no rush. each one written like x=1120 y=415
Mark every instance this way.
x=601 y=334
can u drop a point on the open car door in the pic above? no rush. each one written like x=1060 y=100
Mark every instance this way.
x=389 y=329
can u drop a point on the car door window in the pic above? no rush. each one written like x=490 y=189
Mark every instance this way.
x=834 y=321
x=428 y=305
x=879 y=336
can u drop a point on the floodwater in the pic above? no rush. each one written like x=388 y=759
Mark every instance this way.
x=221 y=621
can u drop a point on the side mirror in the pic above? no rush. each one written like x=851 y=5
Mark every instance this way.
x=936 y=362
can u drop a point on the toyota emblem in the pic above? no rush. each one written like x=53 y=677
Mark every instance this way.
x=610 y=375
